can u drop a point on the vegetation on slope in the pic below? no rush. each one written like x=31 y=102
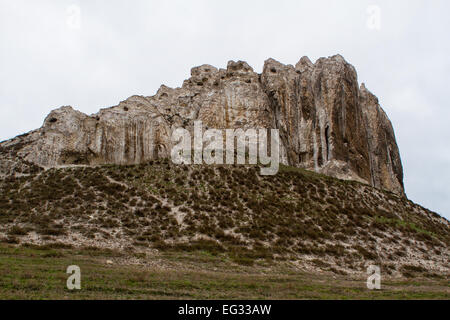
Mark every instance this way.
x=231 y=211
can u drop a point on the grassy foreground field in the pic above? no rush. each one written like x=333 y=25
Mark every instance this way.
x=33 y=272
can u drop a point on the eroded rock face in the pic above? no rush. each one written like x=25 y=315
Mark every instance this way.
x=327 y=123
x=385 y=163
x=319 y=115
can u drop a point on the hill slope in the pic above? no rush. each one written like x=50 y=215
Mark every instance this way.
x=312 y=220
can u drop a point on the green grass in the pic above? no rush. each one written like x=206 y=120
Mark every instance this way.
x=405 y=224
x=219 y=214
x=39 y=273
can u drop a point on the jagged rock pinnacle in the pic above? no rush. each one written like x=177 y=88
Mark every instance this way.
x=327 y=122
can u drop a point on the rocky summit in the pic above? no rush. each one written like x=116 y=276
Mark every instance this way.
x=106 y=182
x=327 y=122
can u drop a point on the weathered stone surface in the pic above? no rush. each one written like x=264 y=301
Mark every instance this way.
x=384 y=156
x=327 y=123
x=318 y=113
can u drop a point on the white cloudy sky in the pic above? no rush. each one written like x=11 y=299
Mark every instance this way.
x=122 y=48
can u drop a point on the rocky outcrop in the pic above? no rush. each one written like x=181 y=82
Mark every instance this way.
x=385 y=163
x=327 y=123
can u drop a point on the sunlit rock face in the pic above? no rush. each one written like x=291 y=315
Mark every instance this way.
x=327 y=123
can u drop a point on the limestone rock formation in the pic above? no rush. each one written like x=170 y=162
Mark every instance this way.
x=327 y=122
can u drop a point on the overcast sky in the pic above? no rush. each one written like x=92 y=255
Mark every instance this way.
x=94 y=54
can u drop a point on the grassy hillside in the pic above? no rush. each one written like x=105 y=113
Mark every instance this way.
x=321 y=223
